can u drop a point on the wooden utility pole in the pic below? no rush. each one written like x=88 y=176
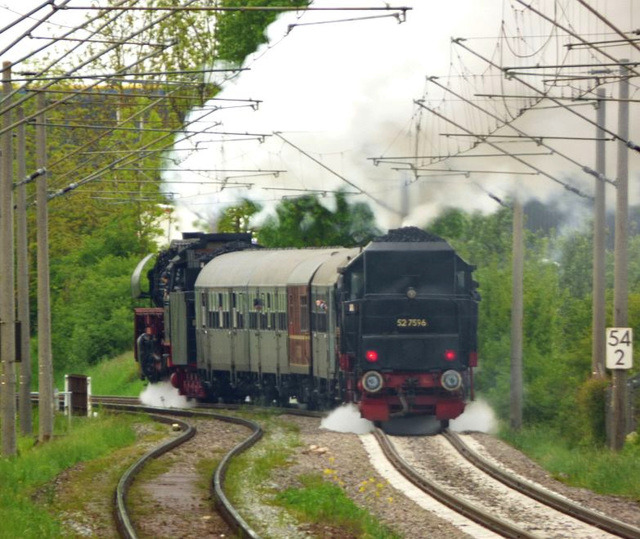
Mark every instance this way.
x=22 y=256
x=516 y=316
x=7 y=290
x=599 y=226
x=45 y=362
x=620 y=291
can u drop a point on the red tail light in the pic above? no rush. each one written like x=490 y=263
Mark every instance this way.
x=450 y=355
x=371 y=356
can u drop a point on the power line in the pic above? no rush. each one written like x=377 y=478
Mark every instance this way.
x=358 y=189
x=630 y=144
x=119 y=75
x=277 y=9
x=496 y=147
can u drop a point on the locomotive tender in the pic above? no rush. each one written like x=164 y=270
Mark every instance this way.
x=390 y=327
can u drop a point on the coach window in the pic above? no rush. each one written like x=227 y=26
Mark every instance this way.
x=206 y=310
x=270 y=313
x=279 y=306
x=211 y=310
x=234 y=310
x=256 y=314
x=240 y=310
x=304 y=314
x=320 y=314
x=262 y=315
x=202 y=316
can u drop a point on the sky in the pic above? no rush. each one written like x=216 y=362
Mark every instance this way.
x=335 y=96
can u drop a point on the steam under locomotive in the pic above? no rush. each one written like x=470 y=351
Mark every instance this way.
x=390 y=327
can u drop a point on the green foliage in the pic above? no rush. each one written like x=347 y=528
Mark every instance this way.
x=118 y=376
x=556 y=324
x=592 y=402
x=240 y=33
x=92 y=313
x=305 y=222
x=237 y=218
x=477 y=237
x=24 y=478
x=583 y=466
x=576 y=261
x=321 y=502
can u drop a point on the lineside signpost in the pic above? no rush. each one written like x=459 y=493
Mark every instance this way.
x=619 y=359
x=619 y=348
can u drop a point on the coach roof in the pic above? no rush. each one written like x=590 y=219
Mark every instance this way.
x=265 y=267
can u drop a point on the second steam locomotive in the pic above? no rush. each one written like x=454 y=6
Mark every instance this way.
x=390 y=327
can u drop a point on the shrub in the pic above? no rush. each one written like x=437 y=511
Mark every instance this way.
x=592 y=406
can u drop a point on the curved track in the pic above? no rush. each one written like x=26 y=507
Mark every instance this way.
x=223 y=505
x=504 y=528
x=485 y=518
x=541 y=495
x=489 y=519
x=123 y=522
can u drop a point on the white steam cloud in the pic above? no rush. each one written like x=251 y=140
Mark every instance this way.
x=347 y=418
x=478 y=416
x=343 y=94
x=164 y=395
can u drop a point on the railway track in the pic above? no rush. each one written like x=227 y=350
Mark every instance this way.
x=603 y=526
x=125 y=525
x=598 y=520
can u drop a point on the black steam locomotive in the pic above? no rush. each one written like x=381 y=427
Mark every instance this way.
x=390 y=327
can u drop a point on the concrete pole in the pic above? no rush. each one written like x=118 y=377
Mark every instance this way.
x=598 y=348
x=7 y=286
x=517 y=316
x=22 y=256
x=45 y=362
x=621 y=284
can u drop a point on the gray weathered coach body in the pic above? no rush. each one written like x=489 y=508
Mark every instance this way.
x=251 y=313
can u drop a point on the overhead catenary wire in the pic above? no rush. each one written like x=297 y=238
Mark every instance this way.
x=36 y=25
x=539 y=140
x=275 y=9
x=138 y=152
x=347 y=181
x=90 y=60
x=131 y=158
x=568 y=187
x=629 y=143
x=606 y=21
x=120 y=76
x=98 y=17
x=136 y=93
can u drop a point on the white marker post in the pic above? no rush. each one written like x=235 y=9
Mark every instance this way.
x=619 y=359
x=619 y=348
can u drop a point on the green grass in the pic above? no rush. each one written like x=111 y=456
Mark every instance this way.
x=27 y=488
x=274 y=450
x=118 y=376
x=594 y=468
x=321 y=502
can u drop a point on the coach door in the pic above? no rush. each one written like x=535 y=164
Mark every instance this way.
x=299 y=334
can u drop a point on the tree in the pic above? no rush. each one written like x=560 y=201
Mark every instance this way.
x=305 y=222
x=239 y=33
x=554 y=324
x=237 y=218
